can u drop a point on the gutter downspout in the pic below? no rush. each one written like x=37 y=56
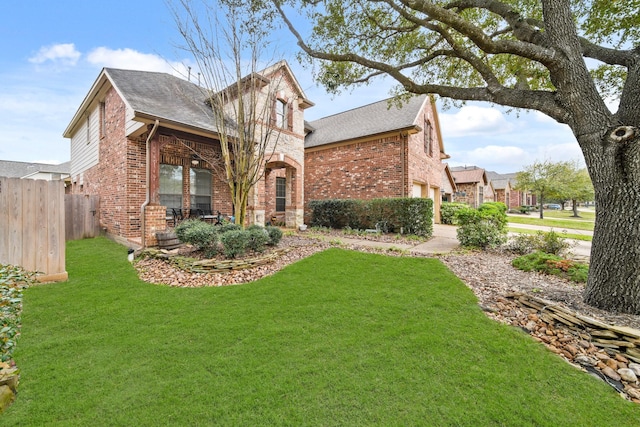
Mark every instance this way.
x=143 y=236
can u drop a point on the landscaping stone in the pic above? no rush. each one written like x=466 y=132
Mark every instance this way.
x=627 y=375
x=7 y=397
x=611 y=373
x=635 y=367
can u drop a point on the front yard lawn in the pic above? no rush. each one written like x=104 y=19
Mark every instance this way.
x=340 y=338
x=558 y=223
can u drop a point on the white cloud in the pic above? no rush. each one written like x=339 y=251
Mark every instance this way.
x=64 y=53
x=474 y=120
x=134 y=60
x=569 y=151
x=491 y=157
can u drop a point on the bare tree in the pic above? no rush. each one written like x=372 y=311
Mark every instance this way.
x=238 y=88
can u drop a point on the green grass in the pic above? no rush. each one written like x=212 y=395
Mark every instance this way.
x=568 y=214
x=564 y=235
x=556 y=222
x=340 y=338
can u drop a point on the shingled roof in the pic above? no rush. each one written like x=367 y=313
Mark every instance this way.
x=373 y=119
x=11 y=169
x=170 y=99
x=469 y=174
x=163 y=96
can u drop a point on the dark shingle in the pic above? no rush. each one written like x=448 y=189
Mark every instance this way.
x=164 y=96
x=371 y=119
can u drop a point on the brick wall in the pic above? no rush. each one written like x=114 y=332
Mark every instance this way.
x=108 y=178
x=363 y=170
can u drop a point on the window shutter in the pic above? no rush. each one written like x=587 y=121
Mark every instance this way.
x=290 y=116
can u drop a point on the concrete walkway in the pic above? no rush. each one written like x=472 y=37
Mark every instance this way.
x=445 y=240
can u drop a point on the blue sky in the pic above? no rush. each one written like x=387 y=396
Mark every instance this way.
x=51 y=53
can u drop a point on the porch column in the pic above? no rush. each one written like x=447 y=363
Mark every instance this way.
x=255 y=204
x=295 y=196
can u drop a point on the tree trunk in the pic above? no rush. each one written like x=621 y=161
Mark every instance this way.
x=541 y=206
x=614 y=272
x=575 y=208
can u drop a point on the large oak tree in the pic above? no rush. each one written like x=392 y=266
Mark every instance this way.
x=564 y=58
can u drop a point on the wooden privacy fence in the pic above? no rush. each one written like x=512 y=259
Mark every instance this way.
x=82 y=215
x=32 y=227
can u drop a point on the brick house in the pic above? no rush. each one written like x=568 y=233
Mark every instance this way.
x=376 y=151
x=502 y=188
x=473 y=185
x=449 y=188
x=146 y=143
x=511 y=196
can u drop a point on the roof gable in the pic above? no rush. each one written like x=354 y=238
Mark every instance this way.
x=469 y=175
x=372 y=119
x=155 y=95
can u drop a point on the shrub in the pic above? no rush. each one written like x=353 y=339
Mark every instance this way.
x=552 y=264
x=13 y=280
x=198 y=233
x=554 y=243
x=275 y=235
x=448 y=212
x=228 y=226
x=257 y=238
x=234 y=242
x=523 y=244
x=401 y=215
x=336 y=213
x=482 y=228
x=549 y=242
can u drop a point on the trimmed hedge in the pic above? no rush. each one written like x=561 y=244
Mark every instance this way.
x=448 y=212
x=393 y=215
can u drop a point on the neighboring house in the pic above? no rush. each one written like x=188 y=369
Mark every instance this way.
x=473 y=185
x=513 y=198
x=501 y=187
x=140 y=141
x=44 y=171
x=449 y=187
x=376 y=151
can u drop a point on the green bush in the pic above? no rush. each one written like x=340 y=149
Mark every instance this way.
x=228 y=226
x=552 y=264
x=257 y=238
x=484 y=227
x=275 y=235
x=198 y=233
x=336 y=213
x=389 y=215
x=549 y=242
x=448 y=212
x=13 y=280
x=234 y=243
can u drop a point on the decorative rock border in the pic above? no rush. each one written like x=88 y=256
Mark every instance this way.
x=214 y=265
x=611 y=353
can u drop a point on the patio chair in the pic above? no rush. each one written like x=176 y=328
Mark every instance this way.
x=177 y=216
x=206 y=215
